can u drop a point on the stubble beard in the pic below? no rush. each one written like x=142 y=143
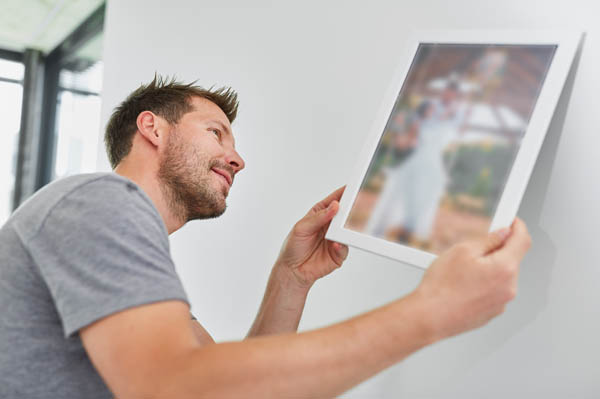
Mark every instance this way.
x=185 y=174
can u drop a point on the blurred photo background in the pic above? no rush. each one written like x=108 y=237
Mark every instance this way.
x=445 y=154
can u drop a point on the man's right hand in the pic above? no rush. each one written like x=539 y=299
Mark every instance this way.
x=472 y=282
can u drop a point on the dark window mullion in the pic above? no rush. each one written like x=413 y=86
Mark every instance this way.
x=9 y=80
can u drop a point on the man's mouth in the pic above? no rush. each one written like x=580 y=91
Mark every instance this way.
x=226 y=175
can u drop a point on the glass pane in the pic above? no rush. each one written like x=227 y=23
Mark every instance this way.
x=84 y=72
x=10 y=115
x=11 y=69
x=89 y=79
x=78 y=126
x=78 y=111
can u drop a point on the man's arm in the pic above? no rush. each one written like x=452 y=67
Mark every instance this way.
x=150 y=351
x=169 y=362
x=282 y=305
x=202 y=336
x=304 y=258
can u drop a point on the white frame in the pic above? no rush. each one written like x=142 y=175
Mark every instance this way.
x=566 y=42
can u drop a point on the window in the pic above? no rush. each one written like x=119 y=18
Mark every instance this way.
x=78 y=111
x=54 y=133
x=11 y=93
x=78 y=121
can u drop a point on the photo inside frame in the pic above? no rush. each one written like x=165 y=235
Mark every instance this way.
x=445 y=154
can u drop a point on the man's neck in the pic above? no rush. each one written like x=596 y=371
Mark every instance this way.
x=147 y=181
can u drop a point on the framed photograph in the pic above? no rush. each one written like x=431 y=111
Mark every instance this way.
x=450 y=153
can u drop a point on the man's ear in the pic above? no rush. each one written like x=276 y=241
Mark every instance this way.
x=151 y=127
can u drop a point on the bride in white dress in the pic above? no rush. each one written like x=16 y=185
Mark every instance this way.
x=413 y=189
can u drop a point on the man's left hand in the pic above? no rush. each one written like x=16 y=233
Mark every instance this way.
x=306 y=254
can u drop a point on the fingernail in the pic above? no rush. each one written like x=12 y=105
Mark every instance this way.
x=503 y=233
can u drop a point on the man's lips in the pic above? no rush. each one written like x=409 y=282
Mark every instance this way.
x=226 y=175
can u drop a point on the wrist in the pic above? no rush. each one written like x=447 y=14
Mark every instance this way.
x=284 y=276
x=428 y=317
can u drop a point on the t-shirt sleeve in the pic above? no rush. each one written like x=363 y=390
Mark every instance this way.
x=102 y=249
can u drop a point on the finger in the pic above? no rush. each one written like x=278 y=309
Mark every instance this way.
x=313 y=222
x=519 y=241
x=338 y=252
x=490 y=242
x=334 y=196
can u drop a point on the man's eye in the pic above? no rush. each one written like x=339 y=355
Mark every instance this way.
x=217 y=132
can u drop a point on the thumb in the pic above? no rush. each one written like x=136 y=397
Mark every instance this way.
x=313 y=222
x=491 y=241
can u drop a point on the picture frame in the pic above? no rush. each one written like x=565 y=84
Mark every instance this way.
x=451 y=150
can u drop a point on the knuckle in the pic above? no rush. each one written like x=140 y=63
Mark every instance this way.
x=299 y=229
x=510 y=269
x=496 y=311
x=525 y=228
x=528 y=242
x=505 y=293
x=511 y=293
x=296 y=226
x=501 y=310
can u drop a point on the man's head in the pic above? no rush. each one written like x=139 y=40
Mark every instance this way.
x=182 y=133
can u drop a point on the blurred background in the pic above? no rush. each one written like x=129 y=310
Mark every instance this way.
x=50 y=85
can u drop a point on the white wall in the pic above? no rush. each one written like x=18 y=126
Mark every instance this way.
x=310 y=76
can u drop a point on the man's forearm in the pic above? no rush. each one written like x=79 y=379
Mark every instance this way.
x=316 y=364
x=282 y=305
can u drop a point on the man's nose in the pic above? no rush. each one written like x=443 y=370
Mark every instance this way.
x=234 y=160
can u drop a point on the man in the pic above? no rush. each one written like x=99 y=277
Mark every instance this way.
x=92 y=306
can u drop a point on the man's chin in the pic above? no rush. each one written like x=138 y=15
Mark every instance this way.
x=208 y=213
x=218 y=212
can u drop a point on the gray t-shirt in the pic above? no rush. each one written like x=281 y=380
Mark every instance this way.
x=82 y=248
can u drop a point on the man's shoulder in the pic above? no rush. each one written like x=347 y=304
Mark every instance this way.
x=93 y=195
x=95 y=186
x=68 y=185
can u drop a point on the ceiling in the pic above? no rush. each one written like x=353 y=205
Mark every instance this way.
x=43 y=24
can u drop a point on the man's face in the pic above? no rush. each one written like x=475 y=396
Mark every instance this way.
x=199 y=162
